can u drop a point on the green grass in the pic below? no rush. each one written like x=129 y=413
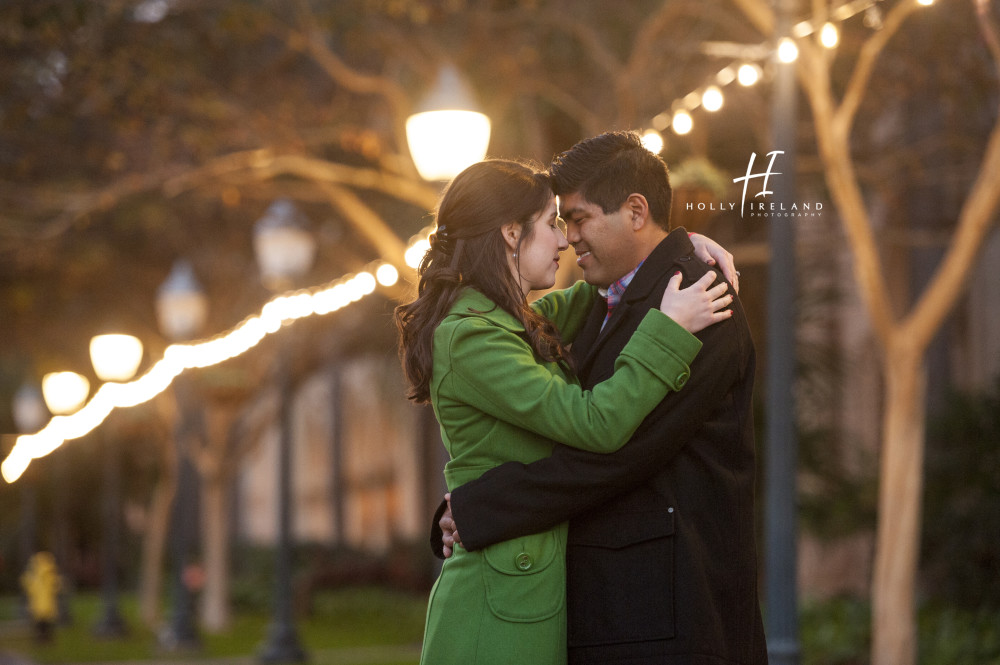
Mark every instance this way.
x=373 y=626
x=838 y=632
x=344 y=627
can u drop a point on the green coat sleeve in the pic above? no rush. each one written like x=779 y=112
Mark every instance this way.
x=495 y=370
x=567 y=308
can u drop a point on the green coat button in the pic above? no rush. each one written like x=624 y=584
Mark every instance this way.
x=681 y=379
x=523 y=561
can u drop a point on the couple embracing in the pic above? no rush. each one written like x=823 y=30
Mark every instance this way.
x=601 y=470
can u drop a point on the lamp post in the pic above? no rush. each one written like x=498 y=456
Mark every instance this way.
x=115 y=358
x=64 y=394
x=781 y=461
x=30 y=415
x=447 y=132
x=285 y=250
x=181 y=309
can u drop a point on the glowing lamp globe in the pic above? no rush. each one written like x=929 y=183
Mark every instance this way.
x=181 y=304
x=115 y=357
x=284 y=247
x=447 y=133
x=65 y=392
x=29 y=409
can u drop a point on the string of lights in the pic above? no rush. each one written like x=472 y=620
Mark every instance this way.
x=745 y=68
x=281 y=310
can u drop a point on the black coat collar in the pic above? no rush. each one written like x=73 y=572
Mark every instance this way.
x=650 y=279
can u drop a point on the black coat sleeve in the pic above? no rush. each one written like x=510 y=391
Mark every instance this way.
x=437 y=544
x=516 y=499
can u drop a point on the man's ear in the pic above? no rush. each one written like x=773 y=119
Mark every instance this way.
x=511 y=233
x=638 y=210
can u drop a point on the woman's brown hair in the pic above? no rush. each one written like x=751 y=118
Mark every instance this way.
x=467 y=249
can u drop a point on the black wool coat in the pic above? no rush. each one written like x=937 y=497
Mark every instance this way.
x=661 y=557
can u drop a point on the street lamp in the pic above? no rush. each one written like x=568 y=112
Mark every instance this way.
x=64 y=394
x=447 y=133
x=181 y=310
x=285 y=249
x=115 y=358
x=30 y=415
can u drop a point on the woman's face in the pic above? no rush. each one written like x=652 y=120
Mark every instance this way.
x=538 y=257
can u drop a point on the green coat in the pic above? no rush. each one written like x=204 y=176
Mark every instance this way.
x=497 y=403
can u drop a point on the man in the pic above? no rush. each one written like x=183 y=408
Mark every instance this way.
x=661 y=558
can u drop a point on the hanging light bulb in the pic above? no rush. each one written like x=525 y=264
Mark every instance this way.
x=653 y=141
x=711 y=99
x=748 y=74
x=682 y=123
x=415 y=252
x=925 y=3
x=828 y=35
x=787 y=50
x=387 y=275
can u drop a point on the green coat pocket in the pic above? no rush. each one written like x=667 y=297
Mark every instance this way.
x=525 y=578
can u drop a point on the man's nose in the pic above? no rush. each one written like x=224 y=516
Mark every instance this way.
x=572 y=233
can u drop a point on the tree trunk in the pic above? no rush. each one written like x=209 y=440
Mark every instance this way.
x=215 y=609
x=894 y=639
x=151 y=575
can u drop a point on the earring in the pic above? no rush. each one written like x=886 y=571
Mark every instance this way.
x=515 y=255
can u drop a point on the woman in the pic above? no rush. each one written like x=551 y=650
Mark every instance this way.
x=499 y=377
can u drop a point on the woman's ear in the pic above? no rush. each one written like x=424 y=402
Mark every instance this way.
x=511 y=233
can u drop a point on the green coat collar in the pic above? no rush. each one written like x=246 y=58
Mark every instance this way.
x=471 y=302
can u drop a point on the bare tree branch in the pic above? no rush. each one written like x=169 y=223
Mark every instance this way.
x=867 y=58
x=976 y=218
x=989 y=31
x=262 y=163
x=638 y=65
x=834 y=148
x=414 y=191
x=590 y=39
x=368 y=224
x=312 y=41
x=760 y=14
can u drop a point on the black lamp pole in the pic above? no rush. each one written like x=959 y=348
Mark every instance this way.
x=111 y=623
x=781 y=452
x=30 y=415
x=283 y=644
x=181 y=634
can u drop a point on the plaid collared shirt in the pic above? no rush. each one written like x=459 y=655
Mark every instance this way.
x=615 y=292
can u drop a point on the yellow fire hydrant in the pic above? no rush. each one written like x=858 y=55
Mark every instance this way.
x=41 y=585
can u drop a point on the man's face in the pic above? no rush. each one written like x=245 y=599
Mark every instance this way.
x=604 y=243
